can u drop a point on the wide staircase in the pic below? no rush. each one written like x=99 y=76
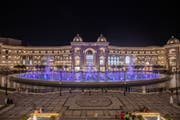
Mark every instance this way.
x=25 y=104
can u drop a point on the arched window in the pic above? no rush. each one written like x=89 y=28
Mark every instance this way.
x=172 y=51
x=77 y=60
x=102 y=50
x=127 y=60
x=172 y=61
x=102 y=60
x=89 y=52
x=77 y=50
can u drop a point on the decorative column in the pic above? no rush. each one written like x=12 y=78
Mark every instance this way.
x=3 y=81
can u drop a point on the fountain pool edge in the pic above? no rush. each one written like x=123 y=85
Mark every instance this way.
x=37 y=82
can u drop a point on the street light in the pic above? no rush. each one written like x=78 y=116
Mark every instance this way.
x=60 y=94
x=177 y=94
x=124 y=71
x=6 y=93
x=5 y=75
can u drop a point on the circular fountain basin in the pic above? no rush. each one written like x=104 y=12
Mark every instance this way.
x=89 y=79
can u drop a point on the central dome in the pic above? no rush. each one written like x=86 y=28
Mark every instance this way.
x=101 y=38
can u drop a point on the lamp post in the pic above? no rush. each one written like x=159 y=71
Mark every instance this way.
x=124 y=71
x=6 y=93
x=177 y=94
x=5 y=73
x=60 y=94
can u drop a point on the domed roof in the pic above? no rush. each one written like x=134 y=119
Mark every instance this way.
x=77 y=38
x=173 y=40
x=101 y=38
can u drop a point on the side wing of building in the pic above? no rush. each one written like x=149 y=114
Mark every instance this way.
x=35 y=57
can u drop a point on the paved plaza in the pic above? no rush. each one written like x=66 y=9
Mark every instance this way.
x=97 y=106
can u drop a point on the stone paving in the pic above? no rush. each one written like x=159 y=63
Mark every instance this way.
x=97 y=106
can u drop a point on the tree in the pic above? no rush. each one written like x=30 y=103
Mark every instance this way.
x=18 y=67
x=24 y=117
x=23 y=67
x=52 y=118
x=42 y=67
x=59 y=67
x=120 y=67
x=65 y=66
x=113 y=66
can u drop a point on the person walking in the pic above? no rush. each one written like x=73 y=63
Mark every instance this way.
x=126 y=116
x=122 y=115
x=171 y=99
x=130 y=116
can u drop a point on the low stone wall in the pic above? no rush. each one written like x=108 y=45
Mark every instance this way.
x=6 y=108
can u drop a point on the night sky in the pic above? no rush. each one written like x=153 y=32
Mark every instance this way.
x=124 y=23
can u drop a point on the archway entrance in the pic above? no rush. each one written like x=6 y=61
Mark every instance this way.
x=89 y=58
x=90 y=62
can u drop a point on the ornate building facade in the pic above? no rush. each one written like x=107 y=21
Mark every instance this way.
x=95 y=56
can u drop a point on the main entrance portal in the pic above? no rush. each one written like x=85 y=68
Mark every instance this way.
x=89 y=60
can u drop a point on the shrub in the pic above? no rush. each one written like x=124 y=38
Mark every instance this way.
x=52 y=118
x=140 y=117
x=167 y=117
x=178 y=103
x=24 y=117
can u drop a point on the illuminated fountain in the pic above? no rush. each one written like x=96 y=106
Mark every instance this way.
x=89 y=75
x=92 y=76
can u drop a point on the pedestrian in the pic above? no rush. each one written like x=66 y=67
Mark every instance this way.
x=133 y=117
x=130 y=116
x=126 y=116
x=42 y=108
x=122 y=115
x=8 y=100
x=5 y=101
x=171 y=100
x=117 y=115
x=34 y=106
x=124 y=92
x=89 y=92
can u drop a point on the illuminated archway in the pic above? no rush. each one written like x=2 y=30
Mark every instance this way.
x=127 y=60
x=89 y=58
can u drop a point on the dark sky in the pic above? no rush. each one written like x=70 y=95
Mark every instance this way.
x=124 y=23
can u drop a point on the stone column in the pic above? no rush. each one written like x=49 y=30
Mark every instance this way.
x=106 y=59
x=14 y=85
x=3 y=81
x=82 y=57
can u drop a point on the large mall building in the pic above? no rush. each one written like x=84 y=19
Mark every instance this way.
x=97 y=56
